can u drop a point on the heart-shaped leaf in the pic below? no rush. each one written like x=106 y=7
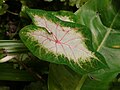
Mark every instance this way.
x=61 y=42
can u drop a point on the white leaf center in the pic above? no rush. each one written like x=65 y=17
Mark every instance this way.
x=61 y=40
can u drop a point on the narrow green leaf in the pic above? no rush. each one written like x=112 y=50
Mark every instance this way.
x=8 y=72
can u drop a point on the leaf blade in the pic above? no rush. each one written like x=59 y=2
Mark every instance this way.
x=102 y=20
x=70 y=47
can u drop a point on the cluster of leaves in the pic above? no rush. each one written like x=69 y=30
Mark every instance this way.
x=100 y=16
x=25 y=68
x=104 y=26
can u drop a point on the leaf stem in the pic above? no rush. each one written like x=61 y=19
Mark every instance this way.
x=81 y=82
x=12 y=12
x=108 y=32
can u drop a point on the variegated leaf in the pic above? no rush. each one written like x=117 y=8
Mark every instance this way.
x=65 y=16
x=61 y=42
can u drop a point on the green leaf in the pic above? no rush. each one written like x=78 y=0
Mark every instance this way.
x=8 y=72
x=61 y=42
x=103 y=20
x=3 y=9
x=105 y=36
x=65 y=16
x=67 y=80
x=78 y=3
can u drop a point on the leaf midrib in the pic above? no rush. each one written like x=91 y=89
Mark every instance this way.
x=107 y=33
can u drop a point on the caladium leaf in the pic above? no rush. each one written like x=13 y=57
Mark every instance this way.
x=61 y=42
x=66 y=16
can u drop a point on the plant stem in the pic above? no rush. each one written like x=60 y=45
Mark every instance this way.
x=12 y=12
x=81 y=82
x=34 y=74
